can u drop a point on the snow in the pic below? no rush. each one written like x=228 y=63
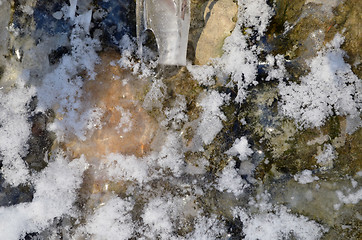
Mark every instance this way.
x=240 y=148
x=211 y=118
x=330 y=88
x=325 y=158
x=177 y=204
x=111 y=221
x=55 y=194
x=305 y=177
x=230 y=181
x=279 y=225
x=14 y=127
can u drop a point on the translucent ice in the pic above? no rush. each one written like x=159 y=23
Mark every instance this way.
x=170 y=22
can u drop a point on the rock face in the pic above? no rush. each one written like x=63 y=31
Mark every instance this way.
x=219 y=19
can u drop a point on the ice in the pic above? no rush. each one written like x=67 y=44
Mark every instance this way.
x=170 y=22
x=174 y=188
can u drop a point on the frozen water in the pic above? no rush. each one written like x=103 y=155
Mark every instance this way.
x=170 y=22
x=137 y=157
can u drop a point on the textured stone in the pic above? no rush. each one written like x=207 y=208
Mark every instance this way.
x=219 y=17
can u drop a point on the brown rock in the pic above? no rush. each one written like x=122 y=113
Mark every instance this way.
x=219 y=18
x=126 y=127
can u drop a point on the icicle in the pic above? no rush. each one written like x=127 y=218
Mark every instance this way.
x=170 y=22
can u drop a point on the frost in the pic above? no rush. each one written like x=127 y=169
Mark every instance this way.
x=240 y=148
x=230 y=181
x=121 y=167
x=211 y=118
x=15 y=129
x=156 y=217
x=305 y=177
x=255 y=14
x=111 y=221
x=140 y=68
x=203 y=74
x=176 y=115
x=325 y=159
x=207 y=228
x=276 y=67
x=352 y=198
x=171 y=156
x=239 y=61
x=329 y=88
x=165 y=193
x=279 y=225
x=125 y=123
x=154 y=95
x=55 y=193
x=62 y=88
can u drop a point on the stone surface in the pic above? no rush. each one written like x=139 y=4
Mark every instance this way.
x=219 y=20
x=126 y=127
x=299 y=28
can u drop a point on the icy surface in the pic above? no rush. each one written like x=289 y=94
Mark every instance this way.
x=177 y=189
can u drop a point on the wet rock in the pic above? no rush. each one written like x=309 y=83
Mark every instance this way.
x=300 y=28
x=125 y=127
x=219 y=17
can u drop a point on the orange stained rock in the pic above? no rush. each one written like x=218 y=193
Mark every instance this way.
x=125 y=126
